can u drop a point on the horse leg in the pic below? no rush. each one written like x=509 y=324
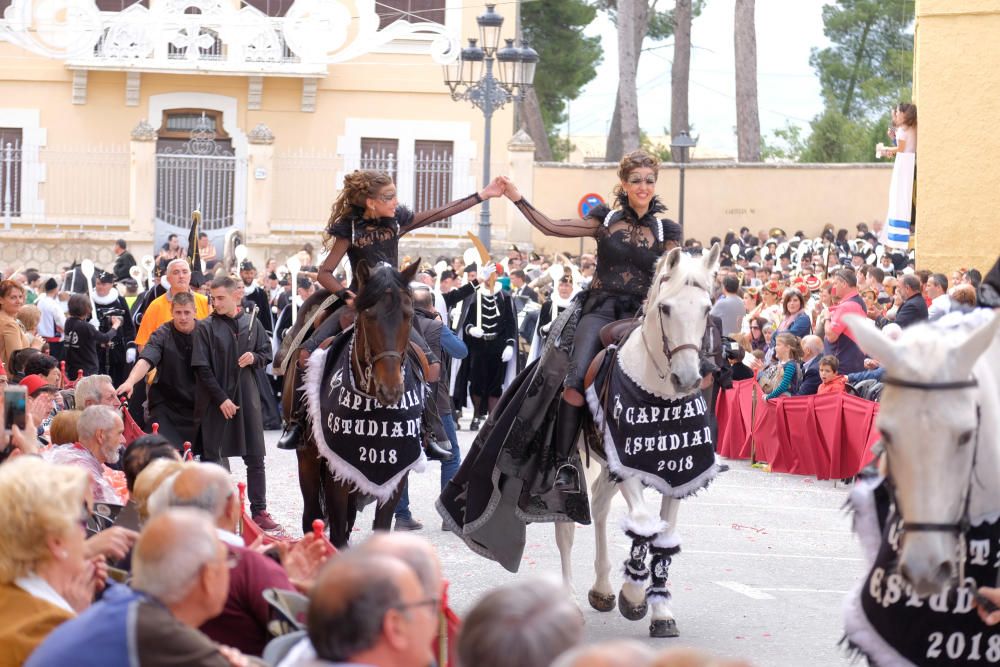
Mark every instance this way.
x=601 y=596
x=338 y=501
x=565 y=530
x=641 y=526
x=310 y=468
x=662 y=550
x=384 y=512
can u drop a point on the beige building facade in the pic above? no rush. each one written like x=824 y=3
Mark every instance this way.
x=123 y=118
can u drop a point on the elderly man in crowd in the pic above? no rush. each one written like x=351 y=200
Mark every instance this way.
x=180 y=580
x=158 y=311
x=369 y=609
x=95 y=390
x=812 y=349
x=100 y=429
x=913 y=308
x=416 y=553
x=937 y=292
x=244 y=618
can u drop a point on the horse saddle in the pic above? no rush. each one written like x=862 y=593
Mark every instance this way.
x=612 y=333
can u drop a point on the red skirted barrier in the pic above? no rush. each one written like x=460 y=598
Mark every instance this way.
x=828 y=436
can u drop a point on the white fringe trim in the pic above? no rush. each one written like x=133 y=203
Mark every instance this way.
x=624 y=472
x=669 y=539
x=862 y=500
x=863 y=636
x=342 y=470
x=646 y=526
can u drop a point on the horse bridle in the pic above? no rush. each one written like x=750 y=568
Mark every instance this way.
x=668 y=351
x=367 y=365
x=962 y=525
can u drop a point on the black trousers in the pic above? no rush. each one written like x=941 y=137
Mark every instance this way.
x=256 y=480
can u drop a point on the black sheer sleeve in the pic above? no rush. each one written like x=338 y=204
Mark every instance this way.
x=412 y=221
x=562 y=228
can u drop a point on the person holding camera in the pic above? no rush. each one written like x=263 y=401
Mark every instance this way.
x=115 y=357
x=82 y=337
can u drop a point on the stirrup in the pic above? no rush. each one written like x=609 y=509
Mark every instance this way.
x=567 y=479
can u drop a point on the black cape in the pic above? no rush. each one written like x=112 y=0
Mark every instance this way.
x=218 y=343
x=171 y=396
x=506 y=479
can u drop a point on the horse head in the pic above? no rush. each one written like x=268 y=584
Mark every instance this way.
x=676 y=314
x=382 y=330
x=933 y=423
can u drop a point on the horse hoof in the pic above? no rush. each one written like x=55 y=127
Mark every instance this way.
x=663 y=628
x=600 y=601
x=630 y=611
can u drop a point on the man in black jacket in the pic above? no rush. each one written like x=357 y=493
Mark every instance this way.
x=913 y=308
x=123 y=262
x=812 y=347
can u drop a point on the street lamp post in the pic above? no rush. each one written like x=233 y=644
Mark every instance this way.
x=471 y=77
x=682 y=145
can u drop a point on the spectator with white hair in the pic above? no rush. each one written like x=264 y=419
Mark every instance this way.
x=100 y=430
x=812 y=351
x=180 y=579
x=46 y=576
x=245 y=616
x=94 y=390
x=158 y=312
x=528 y=623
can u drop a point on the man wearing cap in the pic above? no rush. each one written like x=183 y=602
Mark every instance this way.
x=53 y=318
x=41 y=398
x=124 y=261
x=115 y=356
x=158 y=312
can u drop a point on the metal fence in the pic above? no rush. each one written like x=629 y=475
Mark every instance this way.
x=78 y=187
x=306 y=183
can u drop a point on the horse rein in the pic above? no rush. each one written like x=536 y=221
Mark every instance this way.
x=962 y=525
x=366 y=366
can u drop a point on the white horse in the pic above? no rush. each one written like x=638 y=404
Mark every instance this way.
x=940 y=424
x=663 y=357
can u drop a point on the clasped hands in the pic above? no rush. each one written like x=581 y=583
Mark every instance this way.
x=501 y=185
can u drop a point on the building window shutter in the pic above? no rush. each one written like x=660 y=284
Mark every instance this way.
x=380 y=155
x=433 y=167
x=11 y=157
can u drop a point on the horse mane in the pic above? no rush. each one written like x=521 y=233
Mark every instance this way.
x=382 y=279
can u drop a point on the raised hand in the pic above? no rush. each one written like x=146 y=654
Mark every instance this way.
x=494 y=189
x=512 y=192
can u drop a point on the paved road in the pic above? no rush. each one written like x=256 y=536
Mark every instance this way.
x=766 y=561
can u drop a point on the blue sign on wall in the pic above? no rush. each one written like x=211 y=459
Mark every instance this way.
x=588 y=203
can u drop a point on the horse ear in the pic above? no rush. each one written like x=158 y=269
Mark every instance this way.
x=711 y=260
x=967 y=354
x=872 y=341
x=362 y=273
x=410 y=272
x=671 y=261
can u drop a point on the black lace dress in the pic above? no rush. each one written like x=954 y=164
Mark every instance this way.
x=628 y=247
x=377 y=241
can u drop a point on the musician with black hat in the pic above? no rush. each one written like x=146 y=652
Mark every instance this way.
x=116 y=356
x=254 y=294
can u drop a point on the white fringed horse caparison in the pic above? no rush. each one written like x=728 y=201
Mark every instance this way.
x=663 y=358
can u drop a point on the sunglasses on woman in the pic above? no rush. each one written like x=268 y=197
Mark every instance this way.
x=636 y=180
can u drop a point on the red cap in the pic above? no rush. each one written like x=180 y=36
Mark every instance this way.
x=37 y=384
x=813 y=283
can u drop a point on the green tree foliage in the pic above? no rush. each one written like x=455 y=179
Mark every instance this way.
x=785 y=145
x=568 y=59
x=866 y=70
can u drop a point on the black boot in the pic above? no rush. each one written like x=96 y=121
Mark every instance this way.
x=437 y=446
x=291 y=437
x=568 y=421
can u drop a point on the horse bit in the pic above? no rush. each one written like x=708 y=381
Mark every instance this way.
x=367 y=365
x=962 y=525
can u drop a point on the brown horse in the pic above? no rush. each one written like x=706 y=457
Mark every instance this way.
x=378 y=344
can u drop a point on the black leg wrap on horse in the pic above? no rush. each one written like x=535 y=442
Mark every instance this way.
x=636 y=570
x=659 y=571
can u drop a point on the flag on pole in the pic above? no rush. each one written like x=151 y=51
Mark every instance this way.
x=896 y=233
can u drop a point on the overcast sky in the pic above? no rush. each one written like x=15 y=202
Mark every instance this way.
x=787 y=87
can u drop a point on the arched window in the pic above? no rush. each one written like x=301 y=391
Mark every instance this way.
x=119 y=5
x=270 y=7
